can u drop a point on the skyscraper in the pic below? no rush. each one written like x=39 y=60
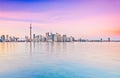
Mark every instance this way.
x=47 y=34
x=3 y=38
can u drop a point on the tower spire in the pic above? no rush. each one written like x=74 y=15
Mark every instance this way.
x=30 y=32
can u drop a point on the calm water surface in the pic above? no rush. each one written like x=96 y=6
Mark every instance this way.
x=60 y=60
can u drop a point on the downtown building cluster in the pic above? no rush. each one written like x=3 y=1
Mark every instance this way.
x=50 y=37
x=7 y=38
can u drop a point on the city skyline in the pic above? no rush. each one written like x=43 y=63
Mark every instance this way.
x=50 y=37
x=80 y=18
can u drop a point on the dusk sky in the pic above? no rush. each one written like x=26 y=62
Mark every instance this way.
x=79 y=18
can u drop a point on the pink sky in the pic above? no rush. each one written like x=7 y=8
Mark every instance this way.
x=93 y=19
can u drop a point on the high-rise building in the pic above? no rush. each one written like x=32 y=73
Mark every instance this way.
x=3 y=38
x=7 y=38
x=49 y=37
x=47 y=34
x=40 y=37
x=34 y=36
x=64 y=38
x=57 y=37
x=37 y=39
x=71 y=38
x=68 y=39
x=43 y=39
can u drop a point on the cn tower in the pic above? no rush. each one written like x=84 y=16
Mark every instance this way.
x=30 y=32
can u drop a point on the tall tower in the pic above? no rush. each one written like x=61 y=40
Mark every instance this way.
x=30 y=32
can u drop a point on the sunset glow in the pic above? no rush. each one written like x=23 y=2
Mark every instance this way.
x=80 y=18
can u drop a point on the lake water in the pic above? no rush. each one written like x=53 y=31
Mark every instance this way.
x=60 y=60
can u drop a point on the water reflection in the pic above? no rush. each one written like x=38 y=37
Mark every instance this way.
x=6 y=46
x=59 y=60
x=31 y=48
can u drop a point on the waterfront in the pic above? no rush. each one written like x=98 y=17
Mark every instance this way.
x=60 y=60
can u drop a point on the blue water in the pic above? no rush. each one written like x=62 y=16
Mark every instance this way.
x=59 y=60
